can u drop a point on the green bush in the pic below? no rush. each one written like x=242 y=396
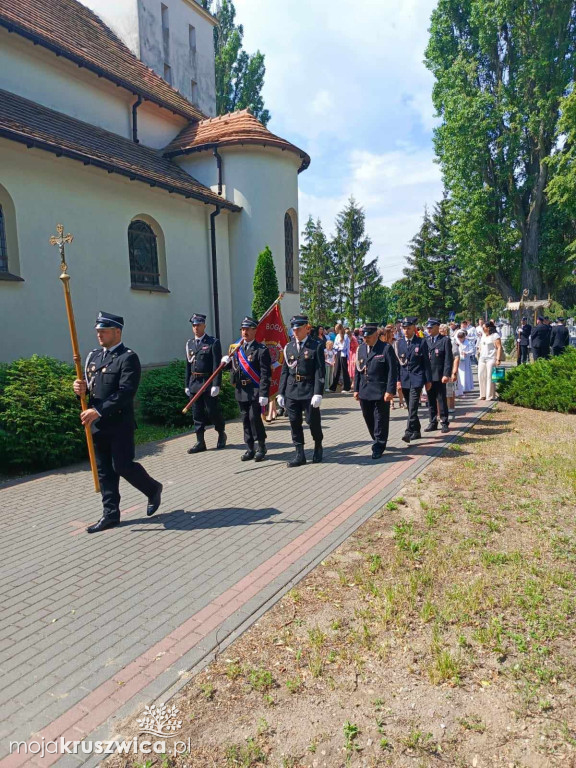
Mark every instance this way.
x=510 y=345
x=39 y=415
x=546 y=385
x=161 y=396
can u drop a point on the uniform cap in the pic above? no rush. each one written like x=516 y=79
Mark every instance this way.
x=524 y=319
x=541 y=318
x=559 y=319
x=432 y=321
x=106 y=320
x=369 y=328
x=197 y=318
x=248 y=322
x=406 y=321
x=298 y=320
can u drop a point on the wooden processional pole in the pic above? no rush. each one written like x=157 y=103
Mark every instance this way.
x=59 y=240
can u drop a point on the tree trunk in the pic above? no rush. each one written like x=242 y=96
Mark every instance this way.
x=531 y=271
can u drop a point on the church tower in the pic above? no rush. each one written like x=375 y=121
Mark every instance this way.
x=172 y=37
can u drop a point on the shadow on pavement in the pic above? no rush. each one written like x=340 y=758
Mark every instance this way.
x=223 y=517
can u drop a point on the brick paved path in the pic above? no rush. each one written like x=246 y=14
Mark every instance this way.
x=94 y=627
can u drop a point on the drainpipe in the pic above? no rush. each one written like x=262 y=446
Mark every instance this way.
x=135 y=120
x=215 y=212
x=219 y=166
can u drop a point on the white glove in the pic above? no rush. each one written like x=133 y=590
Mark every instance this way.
x=280 y=401
x=316 y=400
x=263 y=401
x=225 y=359
x=214 y=392
x=187 y=392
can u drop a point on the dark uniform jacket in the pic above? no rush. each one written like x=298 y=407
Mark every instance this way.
x=112 y=380
x=524 y=335
x=376 y=371
x=201 y=362
x=440 y=355
x=259 y=359
x=560 y=337
x=414 y=362
x=303 y=373
x=540 y=337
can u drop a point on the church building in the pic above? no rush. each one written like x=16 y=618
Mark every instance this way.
x=108 y=126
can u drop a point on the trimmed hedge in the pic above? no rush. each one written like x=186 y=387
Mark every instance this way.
x=546 y=385
x=39 y=424
x=161 y=396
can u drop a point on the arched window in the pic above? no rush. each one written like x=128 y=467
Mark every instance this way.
x=289 y=251
x=3 y=248
x=143 y=249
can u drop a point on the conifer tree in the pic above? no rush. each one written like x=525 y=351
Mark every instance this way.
x=265 y=284
x=317 y=272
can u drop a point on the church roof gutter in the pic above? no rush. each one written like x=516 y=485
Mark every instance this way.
x=59 y=151
x=83 y=63
x=240 y=142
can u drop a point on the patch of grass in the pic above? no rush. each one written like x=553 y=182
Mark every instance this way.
x=472 y=723
x=245 y=755
x=208 y=691
x=351 y=733
x=294 y=684
x=417 y=741
x=233 y=670
x=260 y=679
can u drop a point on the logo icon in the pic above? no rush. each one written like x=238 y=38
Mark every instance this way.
x=160 y=720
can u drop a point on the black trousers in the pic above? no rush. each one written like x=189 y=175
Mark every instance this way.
x=340 y=367
x=412 y=397
x=296 y=409
x=377 y=417
x=115 y=459
x=437 y=400
x=252 y=423
x=557 y=351
x=538 y=353
x=523 y=354
x=207 y=409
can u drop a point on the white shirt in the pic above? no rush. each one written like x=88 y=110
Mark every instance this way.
x=487 y=346
x=342 y=346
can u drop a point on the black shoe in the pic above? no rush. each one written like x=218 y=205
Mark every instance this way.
x=103 y=524
x=280 y=411
x=154 y=501
x=261 y=452
x=377 y=450
x=431 y=427
x=318 y=453
x=247 y=456
x=415 y=436
x=407 y=436
x=199 y=447
x=444 y=428
x=222 y=439
x=299 y=459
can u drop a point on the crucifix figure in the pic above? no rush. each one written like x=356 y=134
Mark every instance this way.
x=59 y=240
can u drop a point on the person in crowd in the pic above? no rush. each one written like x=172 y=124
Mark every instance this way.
x=441 y=361
x=272 y=411
x=321 y=335
x=342 y=350
x=414 y=374
x=453 y=327
x=353 y=337
x=375 y=385
x=203 y=355
x=465 y=348
x=523 y=340
x=112 y=376
x=301 y=388
x=560 y=337
x=388 y=336
x=472 y=339
x=452 y=383
x=330 y=358
x=331 y=334
x=540 y=339
x=251 y=372
x=489 y=355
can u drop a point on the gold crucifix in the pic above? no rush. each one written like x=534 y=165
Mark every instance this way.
x=59 y=240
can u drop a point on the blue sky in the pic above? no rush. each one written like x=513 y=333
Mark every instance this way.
x=345 y=81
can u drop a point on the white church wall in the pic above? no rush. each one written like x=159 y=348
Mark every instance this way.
x=122 y=18
x=97 y=208
x=37 y=74
x=202 y=166
x=157 y=126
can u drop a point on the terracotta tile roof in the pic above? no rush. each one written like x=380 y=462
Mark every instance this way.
x=234 y=128
x=70 y=29
x=28 y=123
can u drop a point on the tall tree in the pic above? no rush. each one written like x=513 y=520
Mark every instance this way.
x=376 y=304
x=351 y=246
x=317 y=274
x=265 y=283
x=239 y=75
x=501 y=69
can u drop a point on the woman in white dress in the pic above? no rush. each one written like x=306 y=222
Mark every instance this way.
x=467 y=350
x=489 y=355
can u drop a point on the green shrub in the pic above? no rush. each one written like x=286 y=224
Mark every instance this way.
x=510 y=345
x=546 y=385
x=161 y=396
x=39 y=415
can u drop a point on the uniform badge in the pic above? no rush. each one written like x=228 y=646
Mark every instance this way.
x=417 y=350
x=437 y=352
x=104 y=369
x=291 y=357
x=306 y=353
x=250 y=358
x=93 y=368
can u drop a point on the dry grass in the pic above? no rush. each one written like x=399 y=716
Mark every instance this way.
x=442 y=632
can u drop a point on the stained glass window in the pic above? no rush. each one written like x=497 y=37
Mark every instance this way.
x=143 y=250
x=289 y=251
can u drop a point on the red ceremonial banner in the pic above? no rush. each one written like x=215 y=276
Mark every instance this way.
x=271 y=331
